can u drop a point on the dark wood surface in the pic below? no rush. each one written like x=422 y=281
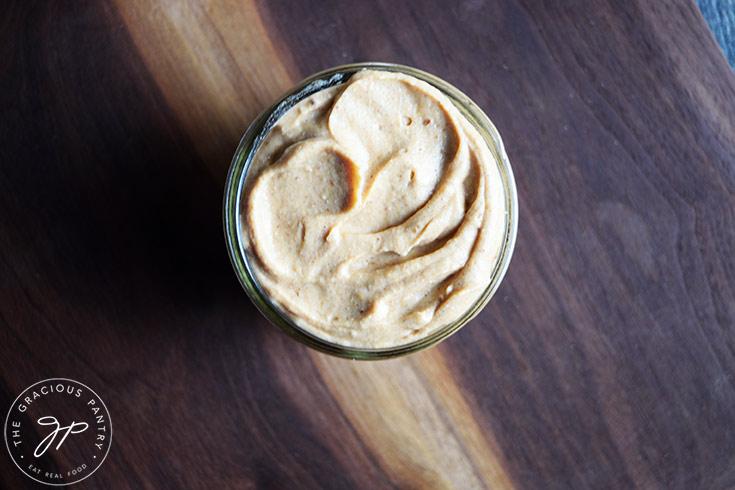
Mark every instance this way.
x=606 y=359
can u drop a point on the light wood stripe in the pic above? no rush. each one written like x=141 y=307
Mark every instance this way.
x=412 y=415
x=215 y=66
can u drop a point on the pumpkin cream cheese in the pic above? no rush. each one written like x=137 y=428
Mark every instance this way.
x=373 y=212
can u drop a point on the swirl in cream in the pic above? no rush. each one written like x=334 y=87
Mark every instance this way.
x=373 y=212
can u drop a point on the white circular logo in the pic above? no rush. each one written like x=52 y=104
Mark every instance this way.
x=58 y=431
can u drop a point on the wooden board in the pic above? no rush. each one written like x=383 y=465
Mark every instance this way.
x=606 y=359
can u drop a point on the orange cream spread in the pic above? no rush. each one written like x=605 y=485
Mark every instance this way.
x=373 y=212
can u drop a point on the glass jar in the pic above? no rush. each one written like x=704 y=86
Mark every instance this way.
x=247 y=149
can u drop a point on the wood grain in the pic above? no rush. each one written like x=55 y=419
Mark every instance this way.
x=605 y=360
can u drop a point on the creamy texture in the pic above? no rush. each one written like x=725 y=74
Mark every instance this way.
x=373 y=213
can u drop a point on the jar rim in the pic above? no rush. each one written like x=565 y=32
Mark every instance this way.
x=250 y=143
